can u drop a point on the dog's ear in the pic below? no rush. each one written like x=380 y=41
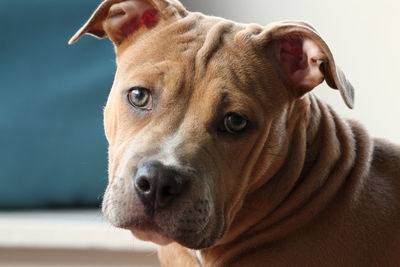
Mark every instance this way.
x=117 y=19
x=303 y=59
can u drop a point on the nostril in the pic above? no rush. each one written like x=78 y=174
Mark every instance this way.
x=170 y=190
x=173 y=187
x=143 y=184
x=166 y=191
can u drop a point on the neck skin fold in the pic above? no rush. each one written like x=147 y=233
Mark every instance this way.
x=321 y=157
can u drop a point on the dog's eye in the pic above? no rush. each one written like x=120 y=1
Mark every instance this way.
x=235 y=123
x=140 y=97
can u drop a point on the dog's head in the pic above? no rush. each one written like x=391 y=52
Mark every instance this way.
x=196 y=112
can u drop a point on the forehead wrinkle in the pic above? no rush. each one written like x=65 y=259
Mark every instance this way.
x=213 y=41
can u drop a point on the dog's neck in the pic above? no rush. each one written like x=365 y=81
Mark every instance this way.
x=324 y=159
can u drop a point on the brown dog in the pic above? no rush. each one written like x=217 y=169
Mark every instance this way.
x=219 y=153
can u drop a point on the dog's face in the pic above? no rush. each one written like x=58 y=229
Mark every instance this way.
x=183 y=105
x=198 y=108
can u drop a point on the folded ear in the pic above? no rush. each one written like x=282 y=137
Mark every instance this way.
x=117 y=19
x=303 y=59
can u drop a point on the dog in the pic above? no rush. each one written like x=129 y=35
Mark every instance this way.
x=220 y=153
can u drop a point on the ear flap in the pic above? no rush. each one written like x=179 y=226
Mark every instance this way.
x=117 y=19
x=303 y=59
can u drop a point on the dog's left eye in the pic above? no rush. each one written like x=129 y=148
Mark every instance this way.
x=235 y=123
x=140 y=97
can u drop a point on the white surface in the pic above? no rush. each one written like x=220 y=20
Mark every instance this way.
x=65 y=230
x=75 y=258
x=364 y=38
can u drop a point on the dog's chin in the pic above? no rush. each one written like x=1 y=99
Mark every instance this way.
x=201 y=237
x=152 y=236
x=187 y=238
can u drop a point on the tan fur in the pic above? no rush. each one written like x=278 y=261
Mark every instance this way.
x=303 y=187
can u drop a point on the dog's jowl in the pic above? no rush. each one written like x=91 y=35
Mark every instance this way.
x=220 y=153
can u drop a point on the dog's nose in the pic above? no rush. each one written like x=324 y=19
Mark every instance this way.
x=158 y=185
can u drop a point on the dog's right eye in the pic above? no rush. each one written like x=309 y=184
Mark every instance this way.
x=140 y=97
x=235 y=123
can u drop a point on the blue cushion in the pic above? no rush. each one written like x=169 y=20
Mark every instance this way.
x=53 y=149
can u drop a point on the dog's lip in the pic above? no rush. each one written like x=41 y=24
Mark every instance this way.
x=147 y=230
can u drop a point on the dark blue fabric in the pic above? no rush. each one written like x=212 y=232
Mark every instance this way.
x=52 y=146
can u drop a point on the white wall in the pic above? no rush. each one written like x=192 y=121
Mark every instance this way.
x=364 y=37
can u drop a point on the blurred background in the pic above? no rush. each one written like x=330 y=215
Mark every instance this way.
x=53 y=150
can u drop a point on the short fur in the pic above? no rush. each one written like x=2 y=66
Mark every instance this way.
x=301 y=187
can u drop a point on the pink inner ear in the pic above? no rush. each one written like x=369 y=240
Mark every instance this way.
x=300 y=58
x=127 y=17
x=292 y=54
x=150 y=18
